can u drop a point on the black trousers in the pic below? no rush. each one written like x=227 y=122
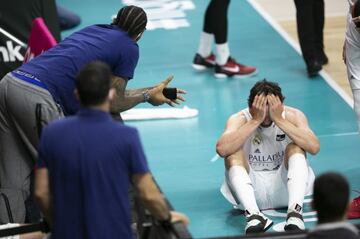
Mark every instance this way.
x=215 y=21
x=310 y=25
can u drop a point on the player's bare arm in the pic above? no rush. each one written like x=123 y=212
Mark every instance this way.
x=237 y=129
x=295 y=125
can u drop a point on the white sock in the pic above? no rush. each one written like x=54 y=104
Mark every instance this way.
x=206 y=40
x=241 y=185
x=223 y=53
x=297 y=178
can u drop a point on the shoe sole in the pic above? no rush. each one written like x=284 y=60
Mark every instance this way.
x=267 y=227
x=222 y=75
x=201 y=67
x=292 y=228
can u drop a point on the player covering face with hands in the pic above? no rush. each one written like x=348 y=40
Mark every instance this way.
x=264 y=148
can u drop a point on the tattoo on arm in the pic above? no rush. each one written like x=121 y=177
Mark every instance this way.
x=125 y=99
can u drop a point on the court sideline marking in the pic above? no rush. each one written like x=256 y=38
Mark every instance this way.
x=296 y=46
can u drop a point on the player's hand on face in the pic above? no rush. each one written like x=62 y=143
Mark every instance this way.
x=258 y=108
x=276 y=107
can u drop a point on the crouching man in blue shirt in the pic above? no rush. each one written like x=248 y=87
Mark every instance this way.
x=85 y=166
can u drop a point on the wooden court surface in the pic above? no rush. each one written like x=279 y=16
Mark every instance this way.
x=334 y=32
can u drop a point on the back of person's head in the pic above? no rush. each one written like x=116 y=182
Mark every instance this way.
x=93 y=83
x=265 y=87
x=331 y=197
x=131 y=19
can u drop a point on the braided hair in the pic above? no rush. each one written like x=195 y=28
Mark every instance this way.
x=131 y=19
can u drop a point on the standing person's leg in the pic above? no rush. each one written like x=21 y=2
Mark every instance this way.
x=306 y=34
x=18 y=142
x=319 y=21
x=352 y=56
x=219 y=25
x=238 y=179
x=225 y=65
x=204 y=58
x=297 y=178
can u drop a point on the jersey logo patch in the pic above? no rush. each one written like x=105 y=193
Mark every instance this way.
x=298 y=208
x=280 y=137
x=257 y=139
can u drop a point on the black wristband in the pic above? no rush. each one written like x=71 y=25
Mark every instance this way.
x=170 y=93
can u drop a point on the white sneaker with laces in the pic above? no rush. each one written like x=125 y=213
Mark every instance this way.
x=257 y=222
x=294 y=222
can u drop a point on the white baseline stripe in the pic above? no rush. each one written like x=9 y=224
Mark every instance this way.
x=12 y=37
x=215 y=158
x=338 y=135
x=296 y=46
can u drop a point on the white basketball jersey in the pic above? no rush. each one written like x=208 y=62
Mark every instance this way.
x=265 y=148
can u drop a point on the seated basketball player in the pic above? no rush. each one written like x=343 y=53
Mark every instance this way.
x=264 y=147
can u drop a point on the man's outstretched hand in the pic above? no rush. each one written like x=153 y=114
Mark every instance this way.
x=157 y=97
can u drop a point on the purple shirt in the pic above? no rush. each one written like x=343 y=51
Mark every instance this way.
x=90 y=159
x=58 y=67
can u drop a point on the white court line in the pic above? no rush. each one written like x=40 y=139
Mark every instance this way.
x=274 y=213
x=338 y=135
x=307 y=200
x=296 y=46
x=215 y=158
x=12 y=37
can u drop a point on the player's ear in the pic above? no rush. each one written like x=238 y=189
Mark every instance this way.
x=112 y=93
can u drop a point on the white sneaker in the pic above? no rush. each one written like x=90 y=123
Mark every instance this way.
x=257 y=222
x=294 y=222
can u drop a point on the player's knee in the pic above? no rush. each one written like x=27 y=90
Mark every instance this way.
x=292 y=149
x=236 y=159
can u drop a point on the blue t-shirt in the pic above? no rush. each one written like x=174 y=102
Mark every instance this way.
x=58 y=67
x=90 y=159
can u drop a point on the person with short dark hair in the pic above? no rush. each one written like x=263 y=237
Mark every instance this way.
x=331 y=202
x=264 y=147
x=42 y=90
x=86 y=164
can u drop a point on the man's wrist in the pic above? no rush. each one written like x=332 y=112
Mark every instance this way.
x=256 y=122
x=146 y=95
x=279 y=120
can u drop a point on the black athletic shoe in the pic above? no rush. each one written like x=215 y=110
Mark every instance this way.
x=313 y=68
x=202 y=63
x=323 y=59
